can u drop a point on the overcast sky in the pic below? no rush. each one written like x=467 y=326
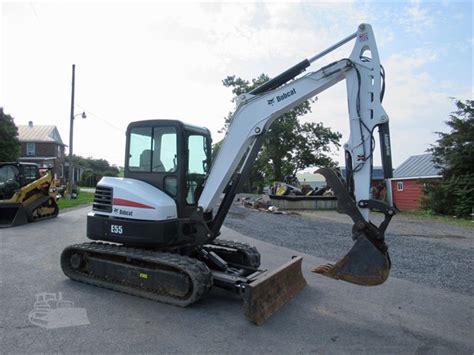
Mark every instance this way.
x=155 y=60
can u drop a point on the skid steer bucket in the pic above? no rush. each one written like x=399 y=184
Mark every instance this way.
x=363 y=265
x=271 y=290
x=12 y=214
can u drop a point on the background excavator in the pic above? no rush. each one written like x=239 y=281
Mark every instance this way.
x=164 y=217
x=25 y=195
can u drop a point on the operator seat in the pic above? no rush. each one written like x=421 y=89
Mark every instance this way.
x=145 y=160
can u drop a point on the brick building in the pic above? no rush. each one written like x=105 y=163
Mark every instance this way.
x=42 y=145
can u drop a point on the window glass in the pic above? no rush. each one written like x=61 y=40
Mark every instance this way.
x=197 y=165
x=8 y=181
x=8 y=172
x=400 y=186
x=197 y=147
x=29 y=174
x=164 y=152
x=30 y=149
x=139 y=158
x=171 y=185
x=153 y=149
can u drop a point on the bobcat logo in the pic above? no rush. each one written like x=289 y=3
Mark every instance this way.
x=271 y=101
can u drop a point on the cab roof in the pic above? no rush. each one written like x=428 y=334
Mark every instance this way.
x=186 y=126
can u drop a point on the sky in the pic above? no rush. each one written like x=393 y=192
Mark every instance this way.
x=153 y=60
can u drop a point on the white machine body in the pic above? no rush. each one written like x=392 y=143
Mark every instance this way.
x=135 y=199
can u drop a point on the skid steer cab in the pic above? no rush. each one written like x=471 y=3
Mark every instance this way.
x=164 y=217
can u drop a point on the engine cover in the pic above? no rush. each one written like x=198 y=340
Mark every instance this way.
x=132 y=199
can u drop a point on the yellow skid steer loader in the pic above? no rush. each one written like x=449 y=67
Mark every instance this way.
x=25 y=195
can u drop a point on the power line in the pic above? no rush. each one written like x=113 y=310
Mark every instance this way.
x=100 y=118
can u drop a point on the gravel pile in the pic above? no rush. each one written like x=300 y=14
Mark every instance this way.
x=426 y=252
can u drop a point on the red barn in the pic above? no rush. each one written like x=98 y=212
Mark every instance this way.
x=407 y=188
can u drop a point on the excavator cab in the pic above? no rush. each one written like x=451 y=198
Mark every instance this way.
x=172 y=156
x=166 y=164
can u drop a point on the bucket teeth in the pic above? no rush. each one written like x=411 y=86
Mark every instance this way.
x=363 y=265
x=272 y=290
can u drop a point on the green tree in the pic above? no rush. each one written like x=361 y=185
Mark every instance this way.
x=95 y=169
x=453 y=152
x=289 y=145
x=10 y=146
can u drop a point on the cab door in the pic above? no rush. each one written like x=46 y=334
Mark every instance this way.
x=198 y=163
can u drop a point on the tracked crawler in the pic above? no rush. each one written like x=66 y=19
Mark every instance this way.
x=167 y=212
x=25 y=195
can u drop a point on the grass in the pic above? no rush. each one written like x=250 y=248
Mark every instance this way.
x=84 y=198
x=428 y=215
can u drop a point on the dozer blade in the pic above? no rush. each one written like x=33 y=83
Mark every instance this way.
x=363 y=265
x=12 y=214
x=271 y=290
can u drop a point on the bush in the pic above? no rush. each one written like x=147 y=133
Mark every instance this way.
x=452 y=196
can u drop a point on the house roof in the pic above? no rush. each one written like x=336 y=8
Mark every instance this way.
x=39 y=133
x=417 y=166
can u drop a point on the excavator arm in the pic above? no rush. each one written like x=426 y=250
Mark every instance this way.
x=368 y=262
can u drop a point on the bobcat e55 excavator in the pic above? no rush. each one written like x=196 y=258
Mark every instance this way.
x=25 y=195
x=164 y=216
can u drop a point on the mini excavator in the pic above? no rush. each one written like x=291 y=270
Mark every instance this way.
x=164 y=217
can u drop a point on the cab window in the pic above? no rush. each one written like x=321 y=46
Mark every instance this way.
x=30 y=174
x=153 y=149
x=197 y=165
x=9 y=181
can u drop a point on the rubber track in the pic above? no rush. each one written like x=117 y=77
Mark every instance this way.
x=46 y=216
x=197 y=271
x=251 y=253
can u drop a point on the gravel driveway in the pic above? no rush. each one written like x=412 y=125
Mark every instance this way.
x=427 y=252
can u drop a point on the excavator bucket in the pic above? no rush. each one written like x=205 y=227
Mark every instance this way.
x=271 y=290
x=12 y=214
x=363 y=265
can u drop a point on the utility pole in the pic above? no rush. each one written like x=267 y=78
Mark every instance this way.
x=71 y=131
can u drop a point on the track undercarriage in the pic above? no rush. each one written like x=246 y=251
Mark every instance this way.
x=181 y=280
